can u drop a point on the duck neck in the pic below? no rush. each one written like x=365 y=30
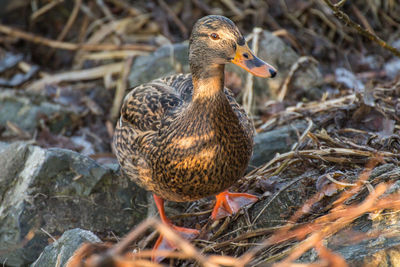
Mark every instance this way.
x=208 y=82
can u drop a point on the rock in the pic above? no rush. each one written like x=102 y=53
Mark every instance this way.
x=173 y=59
x=26 y=110
x=382 y=258
x=279 y=140
x=55 y=190
x=167 y=60
x=3 y=146
x=58 y=253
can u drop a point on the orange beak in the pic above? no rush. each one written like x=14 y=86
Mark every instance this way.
x=245 y=59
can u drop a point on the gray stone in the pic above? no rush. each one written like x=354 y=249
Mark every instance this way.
x=356 y=252
x=55 y=190
x=26 y=110
x=279 y=140
x=166 y=60
x=58 y=253
x=3 y=146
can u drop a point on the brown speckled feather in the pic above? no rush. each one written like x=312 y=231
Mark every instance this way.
x=179 y=148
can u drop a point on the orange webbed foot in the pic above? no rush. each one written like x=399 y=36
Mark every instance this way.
x=164 y=244
x=229 y=203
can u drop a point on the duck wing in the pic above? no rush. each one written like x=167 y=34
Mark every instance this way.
x=142 y=112
x=146 y=105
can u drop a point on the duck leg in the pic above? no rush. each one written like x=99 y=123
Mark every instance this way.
x=164 y=244
x=229 y=203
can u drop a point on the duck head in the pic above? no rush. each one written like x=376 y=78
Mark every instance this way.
x=215 y=40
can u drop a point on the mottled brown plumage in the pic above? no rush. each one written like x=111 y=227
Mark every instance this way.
x=180 y=149
x=185 y=137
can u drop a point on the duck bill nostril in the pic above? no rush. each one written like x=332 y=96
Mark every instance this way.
x=245 y=59
x=255 y=66
x=272 y=72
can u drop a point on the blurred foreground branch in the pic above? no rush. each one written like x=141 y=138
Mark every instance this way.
x=346 y=19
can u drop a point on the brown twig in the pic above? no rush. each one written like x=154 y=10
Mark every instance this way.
x=231 y=5
x=71 y=20
x=331 y=24
x=71 y=46
x=122 y=246
x=67 y=27
x=105 y=9
x=248 y=88
x=296 y=66
x=121 y=88
x=175 y=18
x=289 y=37
x=116 y=54
x=346 y=19
x=121 y=3
x=86 y=74
x=363 y=19
x=45 y=9
x=203 y=6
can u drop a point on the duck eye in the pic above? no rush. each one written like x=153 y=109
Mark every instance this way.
x=214 y=36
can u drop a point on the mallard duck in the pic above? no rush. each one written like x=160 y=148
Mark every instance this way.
x=184 y=137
